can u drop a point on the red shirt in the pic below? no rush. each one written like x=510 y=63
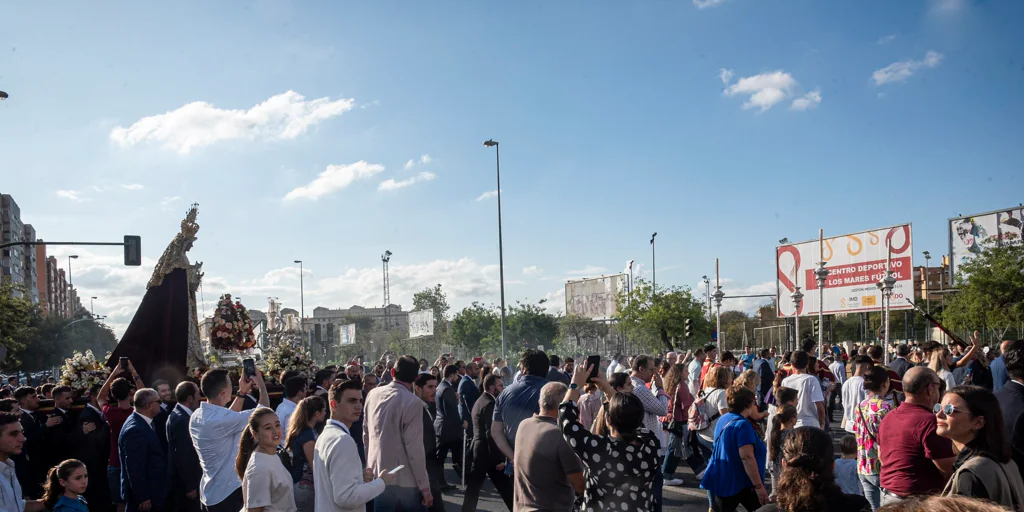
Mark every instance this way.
x=707 y=365
x=908 y=444
x=115 y=417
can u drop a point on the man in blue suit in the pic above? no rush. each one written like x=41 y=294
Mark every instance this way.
x=143 y=461
x=185 y=469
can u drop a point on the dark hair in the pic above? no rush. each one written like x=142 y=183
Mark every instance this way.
x=247 y=444
x=534 y=362
x=848 y=445
x=6 y=418
x=875 y=378
x=787 y=355
x=709 y=347
x=782 y=416
x=7 y=404
x=1014 y=359
x=294 y=386
x=808 y=478
x=489 y=381
x=875 y=352
x=213 y=382
x=862 y=360
x=184 y=391
x=323 y=375
x=52 y=489
x=121 y=388
x=156 y=383
x=554 y=360
x=808 y=345
x=406 y=369
x=61 y=390
x=341 y=386
x=6 y=392
x=800 y=359
x=569 y=360
x=727 y=356
x=423 y=378
x=24 y=391
x=450 y=370
x=285 y=376
x=786 y=395
x=739 y=398
x=765 y=353
x=626 y=414
x=298 y=421
x=47 y=388
x=619 y=379
x=992 y=437
x=640 y=362
x=902 y=350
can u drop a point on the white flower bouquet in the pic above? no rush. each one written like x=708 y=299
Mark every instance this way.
x=82 y=371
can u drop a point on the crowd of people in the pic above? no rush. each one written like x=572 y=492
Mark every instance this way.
x=939 y=428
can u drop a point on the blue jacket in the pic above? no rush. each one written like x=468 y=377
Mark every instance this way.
x=65 y=504
x=143 y=464
x=470 y=394
x=181 y=453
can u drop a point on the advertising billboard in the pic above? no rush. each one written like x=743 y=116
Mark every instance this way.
x=856 y=262
x=347 y=334
x=974 y=234
x=594 y=298
x=421 y=323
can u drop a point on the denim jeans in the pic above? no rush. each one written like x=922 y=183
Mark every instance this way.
x=872 y=490
x=114 y=484
x=889 y=498
x=405 y=498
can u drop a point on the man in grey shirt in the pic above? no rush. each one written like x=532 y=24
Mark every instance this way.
x=548 y=474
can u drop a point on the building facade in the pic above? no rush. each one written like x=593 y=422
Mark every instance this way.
x=928 y=281
x=325 y=324
x=12 y=262
x=29 y=274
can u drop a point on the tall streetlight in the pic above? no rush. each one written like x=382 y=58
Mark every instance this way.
x=798 y=297
x=924 y=281
x=718 y=308
x=92 y=307
x=654 y=267
x=886 y=285
x=501 y=254
x=71 y=288
x=71 y=282
x=302 y=299
x=821 y=275
x=629 y=283
x=707 y=294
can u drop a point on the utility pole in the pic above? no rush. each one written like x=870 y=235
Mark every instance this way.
x=385 y=259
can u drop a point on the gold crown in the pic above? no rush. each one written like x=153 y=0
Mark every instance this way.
x=189 y=227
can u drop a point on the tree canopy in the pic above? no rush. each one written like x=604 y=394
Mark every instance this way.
x=991 y=296
x=657 y=321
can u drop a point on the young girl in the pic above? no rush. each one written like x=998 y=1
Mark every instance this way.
x=266 y=484
x=64 y=487
x=301 y=440
x=782 y=424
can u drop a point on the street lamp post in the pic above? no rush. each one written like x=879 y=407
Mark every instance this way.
x=501 y=255
x=886 y=285
x=718 y=308
x=92 y=307
x=707 y=294
x=302 y=299
x=798 y=297
x=654 y=268
x=71 y=288
x=924 y=282
x=629 y=283
x=821 y=276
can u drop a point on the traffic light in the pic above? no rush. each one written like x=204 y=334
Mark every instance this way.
x=817 y=327
x=688 y=327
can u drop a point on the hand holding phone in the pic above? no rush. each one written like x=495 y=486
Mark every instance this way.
x=594 y=363
x=248 y=368
x=396 y=470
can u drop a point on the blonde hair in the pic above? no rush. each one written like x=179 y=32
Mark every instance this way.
x=718 y=377
x=748 y=379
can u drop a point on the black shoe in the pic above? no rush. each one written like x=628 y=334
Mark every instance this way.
x=447 y=488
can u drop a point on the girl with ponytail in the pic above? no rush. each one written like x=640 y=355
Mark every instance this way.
x=266 y=482
x=65 y=485
x=808 y=476
x=782 y=424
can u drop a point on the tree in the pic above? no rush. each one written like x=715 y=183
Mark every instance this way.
x=474 y=326
x=992 y=294
x=529 y=326
x=655 y=320
x=734 y=323
x=17 y=332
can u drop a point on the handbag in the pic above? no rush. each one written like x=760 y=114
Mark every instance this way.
x=674 y=425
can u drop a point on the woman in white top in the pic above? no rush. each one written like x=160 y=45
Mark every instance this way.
x=266 y=483
x=941 y=361
x=717 y=380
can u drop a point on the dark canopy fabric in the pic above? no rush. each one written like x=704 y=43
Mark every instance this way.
x=157 y=339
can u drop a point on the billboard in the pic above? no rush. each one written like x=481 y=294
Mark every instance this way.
x=347 y=334
x=421 y=323
x=974 y=234
x=594 y=298
x=856 y=262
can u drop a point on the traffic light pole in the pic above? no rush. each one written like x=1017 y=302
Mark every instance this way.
x=132 y=247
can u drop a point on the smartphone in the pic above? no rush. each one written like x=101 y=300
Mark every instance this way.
x=594 y=363
x=123 y=361
x=396 y=470
x=248 y=368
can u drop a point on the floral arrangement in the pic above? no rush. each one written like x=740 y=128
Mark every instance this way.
x=232 y=327
x=281 y=357
x=82 y=371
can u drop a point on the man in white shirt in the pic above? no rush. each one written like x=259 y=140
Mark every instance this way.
x=294 y=391
x=343 y=485
x=12 y=440
x=853 y=390
x=693 y=371
x=216 y=430
x=810 y=407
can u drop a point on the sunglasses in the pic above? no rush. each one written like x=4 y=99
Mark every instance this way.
x=945 y=409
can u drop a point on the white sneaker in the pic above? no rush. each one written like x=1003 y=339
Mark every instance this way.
x=674 y=481
x=700 y=476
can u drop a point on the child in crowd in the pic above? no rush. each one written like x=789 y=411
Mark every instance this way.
x=65 y=485
x=782 y=423
x=846 y=467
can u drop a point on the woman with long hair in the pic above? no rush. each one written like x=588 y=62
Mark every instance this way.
x=808 y=481
x=750 y=380
x=866 y=419
x=65 y=485
x=266 y=484
x=735 y=472
x=677 y=448
x=620 y=383
x=941 y=360
x=971 y=417
x=301 y=440
x=782 y=424
x=717 y=380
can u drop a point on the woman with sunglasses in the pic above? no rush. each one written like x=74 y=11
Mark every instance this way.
x=971 y=417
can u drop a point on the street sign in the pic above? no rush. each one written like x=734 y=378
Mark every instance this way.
x=714 y=335
x=132 y=250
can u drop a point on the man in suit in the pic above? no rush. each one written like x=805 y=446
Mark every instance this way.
x=1011 y=397
x=425 y=388
x=185 y=469
x=555 y=373
x=766 y=375
x=166 y=392
x=488 y=461
x=58 y=437
x=30 y=464
x=448 y=424
x=343 y=485
x=91 y=441
x=143 y=461
x=468 y=394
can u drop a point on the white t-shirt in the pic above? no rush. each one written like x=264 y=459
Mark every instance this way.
x=947 y=376
x=853 y=395
x=693 y=376
x=267 y=483
x=713 y=406
x=808 y=392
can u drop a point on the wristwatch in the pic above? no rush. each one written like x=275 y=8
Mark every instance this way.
x=241 y=395
x=574 y=386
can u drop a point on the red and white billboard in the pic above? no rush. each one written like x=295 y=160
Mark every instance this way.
x=856 y=262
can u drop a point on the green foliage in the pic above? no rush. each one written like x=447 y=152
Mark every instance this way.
x=529 y=326
x=992 y=296
x=654 y=321
x=474 y=328
x=477 y=329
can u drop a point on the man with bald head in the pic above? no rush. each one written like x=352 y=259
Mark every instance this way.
x=915 y=459
x=143 y=463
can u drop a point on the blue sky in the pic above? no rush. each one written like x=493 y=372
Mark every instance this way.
x=724 y=126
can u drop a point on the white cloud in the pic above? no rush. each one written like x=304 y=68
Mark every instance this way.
x=902 y=70
x=886 y=39
x=426 y=159
x=764 y=90
x=809 y=100
x=132 y=186
x=168 y=200
x=487 y=195
x=72 y=195
x=410 y=164
x=335 y=177
x=725 y=75
x=197 y=124
x=390 y=184
x=947 y=6
x=532 y=270
x=704 y=4
x=589 y=270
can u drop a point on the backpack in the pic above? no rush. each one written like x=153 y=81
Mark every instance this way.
x=697 y=417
